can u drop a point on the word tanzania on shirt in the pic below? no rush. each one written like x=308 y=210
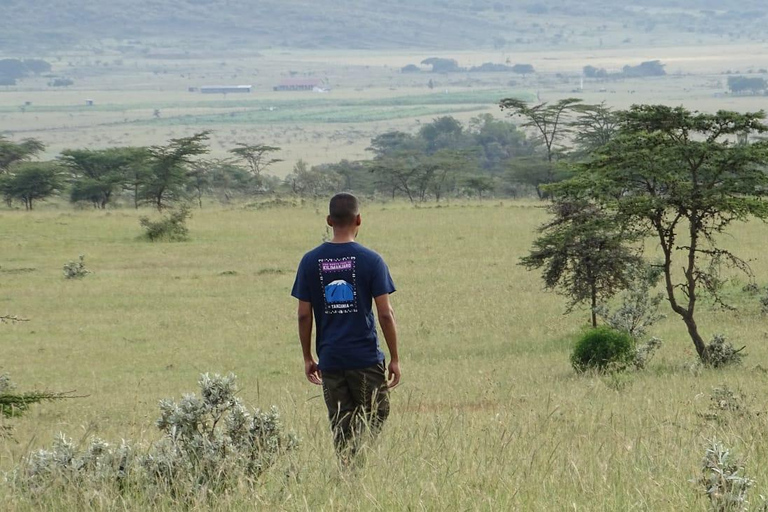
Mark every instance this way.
x=341 y=281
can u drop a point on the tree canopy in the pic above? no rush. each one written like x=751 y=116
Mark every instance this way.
x=12 y=152
x=31 y=182
x=168 y=168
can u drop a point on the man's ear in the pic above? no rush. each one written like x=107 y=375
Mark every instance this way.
x=358 y=220
x=329 y=221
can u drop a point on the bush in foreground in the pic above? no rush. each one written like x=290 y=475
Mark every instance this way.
x=211 y=444
x=603 y=348
x=723 y=480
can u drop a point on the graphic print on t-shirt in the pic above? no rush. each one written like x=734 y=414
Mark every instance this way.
x=338 y=280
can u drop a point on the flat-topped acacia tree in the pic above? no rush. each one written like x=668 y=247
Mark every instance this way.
x=552 y=125
x=681 y=178
x=12 y=152
x=168 y=166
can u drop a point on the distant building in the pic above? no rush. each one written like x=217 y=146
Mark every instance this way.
x=299 y=84
x=226 y=89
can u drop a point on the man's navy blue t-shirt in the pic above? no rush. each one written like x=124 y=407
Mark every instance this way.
x=341 y=281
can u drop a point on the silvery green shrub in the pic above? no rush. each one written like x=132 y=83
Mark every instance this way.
x=76 y=269
x=639 y=307
x=725 y=405
x=723 y=353
x=723 y=479
x=636 y=313
x=6 y=384
x=209 y=444
x=644 y=352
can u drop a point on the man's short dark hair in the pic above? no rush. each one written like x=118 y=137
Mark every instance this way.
x=344 y=209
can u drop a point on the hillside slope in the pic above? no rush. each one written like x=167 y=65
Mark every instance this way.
x=365 y=24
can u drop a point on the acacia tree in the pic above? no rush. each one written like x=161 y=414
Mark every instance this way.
x=552 y=124
x=394 y=143
x=168 y=166
x=12 y=152
x=447 y=165
x=30 y=182
x=594 y=126
x=479 y=184
x=96 y=174
x=313 y=182
x=677 y=176
x=200 y=178
x=258 y=157
x=408 y=172
x=584 y=254
x=135 y=172
x=498 y=142
x=550 y=121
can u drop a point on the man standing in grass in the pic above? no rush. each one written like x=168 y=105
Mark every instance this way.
x=337 y=284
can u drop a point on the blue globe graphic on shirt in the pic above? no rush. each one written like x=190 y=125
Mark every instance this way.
x=339 y=291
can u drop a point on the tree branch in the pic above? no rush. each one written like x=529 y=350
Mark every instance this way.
x=11 y=319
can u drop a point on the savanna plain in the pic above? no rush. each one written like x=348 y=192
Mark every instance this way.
x=489 y=415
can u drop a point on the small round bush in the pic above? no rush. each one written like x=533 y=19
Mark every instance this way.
x=602 y=348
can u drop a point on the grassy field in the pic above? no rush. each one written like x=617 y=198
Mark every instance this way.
x=489 y=416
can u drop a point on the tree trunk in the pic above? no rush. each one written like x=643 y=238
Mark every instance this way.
x=698 y=341
x=687 y=314
x=593 y=292
x=159 y=201
x=690 y=322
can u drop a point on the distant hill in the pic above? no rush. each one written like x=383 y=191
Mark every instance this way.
x=367 y=24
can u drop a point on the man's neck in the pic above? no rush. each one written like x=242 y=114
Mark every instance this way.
x=343 y=237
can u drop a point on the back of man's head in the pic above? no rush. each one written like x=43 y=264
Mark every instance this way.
x=343 y=210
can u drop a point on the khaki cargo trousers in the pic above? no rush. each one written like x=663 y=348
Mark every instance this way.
x=358 y=405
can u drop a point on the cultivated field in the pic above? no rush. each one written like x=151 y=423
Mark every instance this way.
x=145 y=100
x=489 y=416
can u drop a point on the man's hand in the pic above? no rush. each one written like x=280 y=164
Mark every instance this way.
x=393 y=379
x=312 y=372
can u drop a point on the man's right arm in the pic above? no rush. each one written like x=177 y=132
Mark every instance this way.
x=389 y=327
x=305 y=336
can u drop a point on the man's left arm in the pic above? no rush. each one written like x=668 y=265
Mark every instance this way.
x=389 y=328
x=381 y=288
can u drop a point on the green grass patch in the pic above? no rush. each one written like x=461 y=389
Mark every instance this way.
x=483 y=97
x=489 y=414
x=312 y=115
